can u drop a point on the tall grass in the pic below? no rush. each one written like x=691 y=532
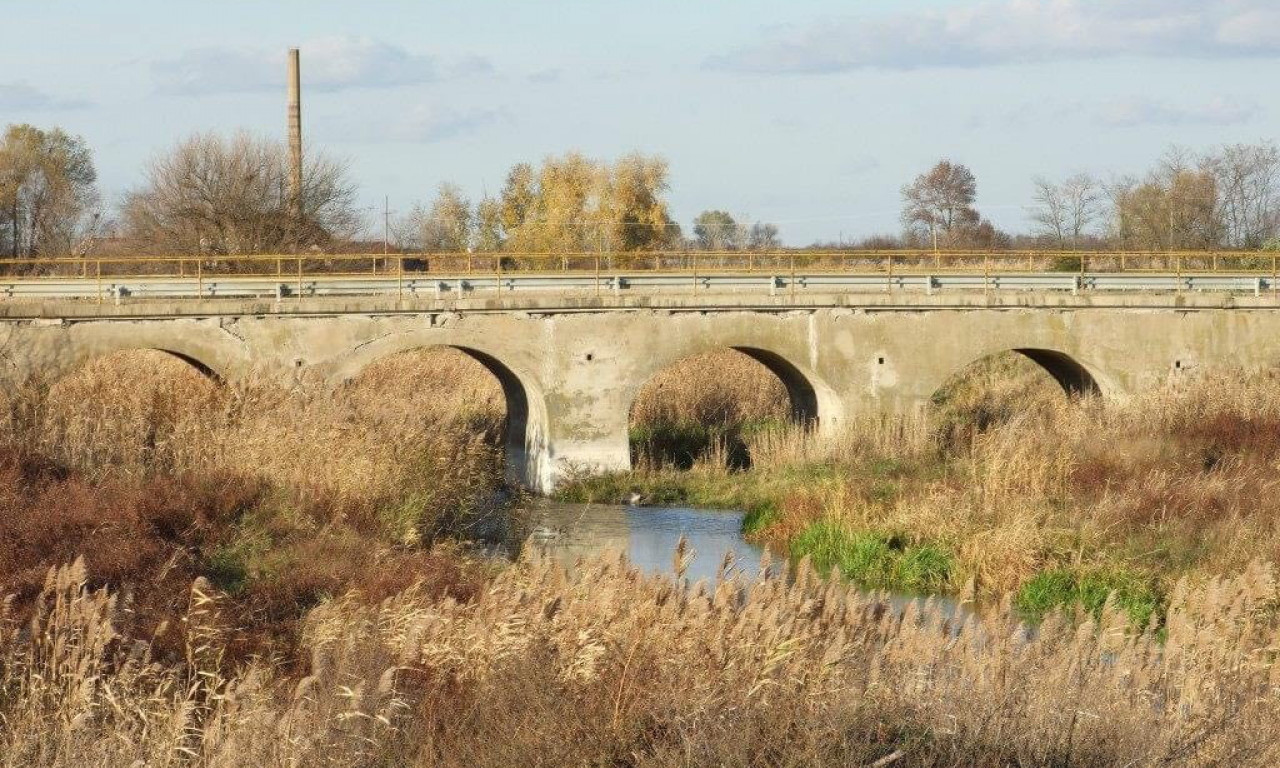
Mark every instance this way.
x=605 y=666
x=279 y=496
x=1011 y=480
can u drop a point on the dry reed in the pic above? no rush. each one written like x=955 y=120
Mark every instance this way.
x=603 y=665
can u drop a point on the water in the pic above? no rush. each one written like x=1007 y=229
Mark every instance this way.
x=648 y=536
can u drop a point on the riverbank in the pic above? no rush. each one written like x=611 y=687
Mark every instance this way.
x=205 y=575
x=1060 y=503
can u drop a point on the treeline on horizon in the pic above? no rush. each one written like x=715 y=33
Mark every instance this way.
x=226 y=195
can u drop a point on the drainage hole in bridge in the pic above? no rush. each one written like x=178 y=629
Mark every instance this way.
x=879 y=361
x=590 y=357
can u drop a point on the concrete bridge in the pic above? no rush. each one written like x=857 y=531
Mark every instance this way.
x=571 y=365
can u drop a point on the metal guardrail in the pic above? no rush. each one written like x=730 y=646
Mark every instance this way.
x=477 y=285
x=281 y=276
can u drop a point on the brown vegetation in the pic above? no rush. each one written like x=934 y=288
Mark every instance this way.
x=604 y=666
x=155 y=475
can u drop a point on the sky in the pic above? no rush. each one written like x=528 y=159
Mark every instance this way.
x=810 y=114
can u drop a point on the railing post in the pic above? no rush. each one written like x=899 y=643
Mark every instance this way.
x=399 y=279
x=986 y=273
x=792 y=281
x=597 y=264
x=693 y=262
x=1177 y=260
x=890 y=273
x=98 y=263
x=199 y=278
x=299 y=260
x=497 y=271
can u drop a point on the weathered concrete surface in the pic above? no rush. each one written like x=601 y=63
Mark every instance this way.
x=571 y=368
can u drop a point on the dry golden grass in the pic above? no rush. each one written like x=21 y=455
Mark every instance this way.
x=716 y=388
x=145 y=411
x=605 y=666
x=1180 y=480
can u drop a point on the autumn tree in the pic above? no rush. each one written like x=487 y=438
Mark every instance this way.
x=632 y=210
x=489 y=234
x=572 y=203
x=48 y=195
x=447 y=225
x=939 y=205
x=217 y=195
x=1175 y=207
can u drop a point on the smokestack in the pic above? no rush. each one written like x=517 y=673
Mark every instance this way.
x=295 y=132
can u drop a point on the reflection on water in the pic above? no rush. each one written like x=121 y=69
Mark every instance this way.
x=648 y=535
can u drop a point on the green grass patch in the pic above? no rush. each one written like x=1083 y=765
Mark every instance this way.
x=1137 y=595
x=228 y=569
x=874 y=559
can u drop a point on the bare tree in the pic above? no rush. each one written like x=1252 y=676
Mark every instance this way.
x=231 y=196
x=763 y=237
x=938 y=205
x=716 y=231
x=1065 y=212
x=1247 y=179
x=48 y=194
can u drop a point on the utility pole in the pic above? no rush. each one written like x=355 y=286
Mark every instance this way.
x=386 y=228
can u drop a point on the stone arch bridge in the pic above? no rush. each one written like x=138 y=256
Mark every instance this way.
x=570 y=367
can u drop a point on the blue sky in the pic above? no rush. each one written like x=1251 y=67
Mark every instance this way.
x=808 y=113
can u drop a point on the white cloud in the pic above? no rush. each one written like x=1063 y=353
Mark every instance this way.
x=328 y=64
x=544 y=76
x=1016 y=31
x=20 y=96
x=1141 y=111
x=423 y=125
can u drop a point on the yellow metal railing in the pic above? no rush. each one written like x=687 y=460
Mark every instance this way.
x=296 y=269
x=110 y=267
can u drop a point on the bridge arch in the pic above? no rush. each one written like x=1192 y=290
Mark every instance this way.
x=812 y=401
x=1074 y=373
x=525 y=438
x=1074 y=378
x=212 y=366
x=668 y=435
